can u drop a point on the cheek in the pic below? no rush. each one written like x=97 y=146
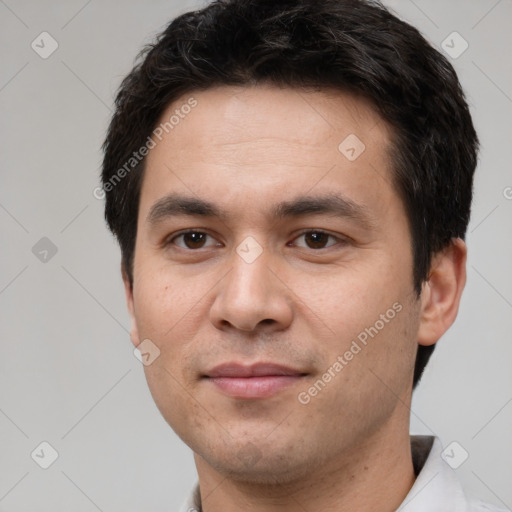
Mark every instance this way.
x=172 y=398
x=349 y=298
x=164 y=302
x=371 y=316
x=378 y=361
x=388 y=344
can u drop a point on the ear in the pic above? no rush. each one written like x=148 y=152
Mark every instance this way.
x=441 y=292
x=128 y=290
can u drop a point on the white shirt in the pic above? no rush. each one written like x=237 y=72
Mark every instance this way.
x=436 y=488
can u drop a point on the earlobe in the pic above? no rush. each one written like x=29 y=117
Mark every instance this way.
x=128 y=290
x=441 y=293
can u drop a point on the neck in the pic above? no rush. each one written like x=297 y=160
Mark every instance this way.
x=376 y=474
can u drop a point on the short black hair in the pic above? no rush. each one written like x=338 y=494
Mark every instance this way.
x=354 y=46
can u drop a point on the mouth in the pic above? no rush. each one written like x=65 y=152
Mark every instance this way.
x=259 y=380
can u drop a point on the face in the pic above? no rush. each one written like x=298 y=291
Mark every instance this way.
x=273 y=272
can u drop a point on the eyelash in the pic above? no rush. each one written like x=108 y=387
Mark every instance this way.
x=339 y=240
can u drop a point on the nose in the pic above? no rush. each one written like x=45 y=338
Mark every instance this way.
x=251 y=297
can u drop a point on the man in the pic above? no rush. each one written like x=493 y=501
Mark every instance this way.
x=290 y=183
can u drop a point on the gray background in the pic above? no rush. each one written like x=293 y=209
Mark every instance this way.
x=67 y=371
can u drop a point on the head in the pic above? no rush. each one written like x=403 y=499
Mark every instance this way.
x=262 y=119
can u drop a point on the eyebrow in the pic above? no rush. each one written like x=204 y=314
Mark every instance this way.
x=328 y=204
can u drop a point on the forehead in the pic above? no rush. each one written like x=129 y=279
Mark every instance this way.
x=269 y=140
x=264 y=114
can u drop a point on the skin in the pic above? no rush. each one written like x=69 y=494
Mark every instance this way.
x=300 y=303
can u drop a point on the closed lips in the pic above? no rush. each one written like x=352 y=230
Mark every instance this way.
x=235 y=370
x=252 y=382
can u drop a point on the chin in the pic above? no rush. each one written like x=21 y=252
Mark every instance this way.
x=253 y=465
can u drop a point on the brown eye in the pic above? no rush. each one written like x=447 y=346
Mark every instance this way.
x=192 y=240
x=316 y=240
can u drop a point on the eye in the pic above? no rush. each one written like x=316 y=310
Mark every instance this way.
x=192 y=240
x=316 y=239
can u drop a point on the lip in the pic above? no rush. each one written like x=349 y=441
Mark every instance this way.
x=253 y=370
x=259 y=380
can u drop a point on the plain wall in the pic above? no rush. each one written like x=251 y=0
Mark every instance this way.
x=68 y=375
